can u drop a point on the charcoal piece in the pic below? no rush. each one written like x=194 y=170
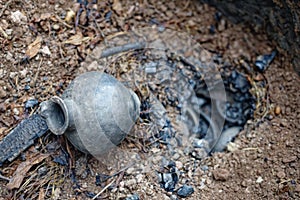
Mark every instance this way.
x=262 y=62
x=27 y=87
x=89 y=194
x=185 y=191
x=133 y=197
x=101 y=178
x=145 y=109
x=240 y=82
x=21 y=137
x=168 y=181
x=31 y=103
x=42 y=171
x=61 y=159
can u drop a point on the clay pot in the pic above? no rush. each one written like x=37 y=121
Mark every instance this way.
x=95 y=112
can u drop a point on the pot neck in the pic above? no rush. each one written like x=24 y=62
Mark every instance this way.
x=55 y=112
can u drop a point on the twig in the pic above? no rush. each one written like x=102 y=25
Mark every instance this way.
x=4 y=178
x=61 y=52
x=107 y=186
x=3 y=32
x=119 y=49
x=118 y=180
x=5 y=6
x=37 y=73
x=101 y=32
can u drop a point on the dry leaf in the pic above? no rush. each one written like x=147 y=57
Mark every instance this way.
x=34 y=47
x=23 y=168
x=77 y=39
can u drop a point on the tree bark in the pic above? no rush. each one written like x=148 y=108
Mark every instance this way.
x=280 y=19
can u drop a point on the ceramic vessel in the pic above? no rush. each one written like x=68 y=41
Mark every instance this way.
x=95 y=112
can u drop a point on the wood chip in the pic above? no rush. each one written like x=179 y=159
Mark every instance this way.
x=34 y=47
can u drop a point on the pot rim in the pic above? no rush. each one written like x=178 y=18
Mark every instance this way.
x=54 y=122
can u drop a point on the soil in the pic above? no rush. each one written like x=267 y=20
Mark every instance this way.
x=264 y=160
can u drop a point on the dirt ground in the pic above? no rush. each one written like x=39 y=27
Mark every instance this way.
x=265 y=162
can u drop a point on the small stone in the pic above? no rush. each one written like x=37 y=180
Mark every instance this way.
x=9 y=31
x=139 y=178
x=278 y=130
x=259 y=179
x=13 y=74
x=18 y=17
x=222 y=25
x=23 y=73
x=31 y=103
x=277 y=110
x=179 y=165
x=185 y=191
x=84 y=185
x=16 y=111
x=280 y=174
x=221 y=174
x=204 y=168
x=155 y=150
x=231 y=147
x=289 y=159
x=173 y=197
x=161 y=28
x=149 y=191
x=45 y=50
x=199 y=143
x=244 y=184
x=56 y=27
x=93 y=66
x=199 y=153
x=130 y=170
